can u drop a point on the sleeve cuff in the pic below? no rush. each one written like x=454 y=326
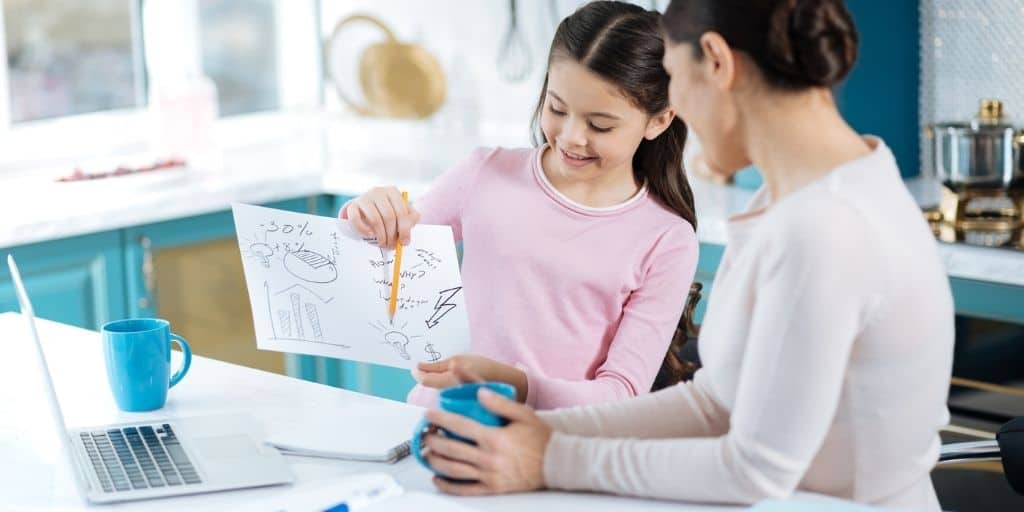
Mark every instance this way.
x=531 y=385
x=565 y=464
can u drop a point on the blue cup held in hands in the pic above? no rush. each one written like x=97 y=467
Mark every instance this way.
x=138 y=356
x=462 y=400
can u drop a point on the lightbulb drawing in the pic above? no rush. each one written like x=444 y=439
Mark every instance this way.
x=396 y=338
x=263 y=252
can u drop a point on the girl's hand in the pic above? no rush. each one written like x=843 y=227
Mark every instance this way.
x=469 y=368
x=381 y=213
x=506 y=459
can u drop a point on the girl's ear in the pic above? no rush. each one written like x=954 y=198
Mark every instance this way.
x=659 y=123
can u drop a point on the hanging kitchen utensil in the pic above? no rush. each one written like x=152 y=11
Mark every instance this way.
x=514 y=57
x=397 y=79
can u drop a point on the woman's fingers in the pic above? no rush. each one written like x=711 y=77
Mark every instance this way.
x=508 y=409
x=452 y=468
x=457 y=424
x=454 y=450
x=469 y=489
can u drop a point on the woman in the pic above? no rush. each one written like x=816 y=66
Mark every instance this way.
x=827 y=344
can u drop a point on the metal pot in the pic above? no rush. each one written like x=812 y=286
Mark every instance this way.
x=984 y=153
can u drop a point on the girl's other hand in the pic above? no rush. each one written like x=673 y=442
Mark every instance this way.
x=382 y=214
x=469 y=368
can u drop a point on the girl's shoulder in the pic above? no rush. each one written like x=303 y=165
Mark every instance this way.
x=484 y=164
x=667 y=220
x=503 y=157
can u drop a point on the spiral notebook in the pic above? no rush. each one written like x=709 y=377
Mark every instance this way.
x=372 y=433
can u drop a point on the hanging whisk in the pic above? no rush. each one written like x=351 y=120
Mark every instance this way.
x=514 y=57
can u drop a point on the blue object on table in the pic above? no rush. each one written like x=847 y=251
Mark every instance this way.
x=138 y=356
x=462 y=400
x=367 y=497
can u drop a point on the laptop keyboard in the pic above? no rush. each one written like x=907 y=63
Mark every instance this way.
x=133 y=458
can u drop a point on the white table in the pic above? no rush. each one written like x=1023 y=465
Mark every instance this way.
x=76 y=363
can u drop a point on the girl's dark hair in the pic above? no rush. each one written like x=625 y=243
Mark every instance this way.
x=796 y=43
x=623 y=44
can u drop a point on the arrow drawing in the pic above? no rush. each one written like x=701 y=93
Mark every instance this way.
x=443 y=306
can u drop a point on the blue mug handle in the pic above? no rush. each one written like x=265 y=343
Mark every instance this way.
x=185 y=351
x=422 y=428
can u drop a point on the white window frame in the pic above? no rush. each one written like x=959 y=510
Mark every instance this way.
x=25 y=147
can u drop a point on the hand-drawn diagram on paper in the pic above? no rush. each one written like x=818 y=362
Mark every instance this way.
x=318 y=288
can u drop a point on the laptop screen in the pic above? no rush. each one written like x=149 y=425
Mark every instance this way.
x=35 y=427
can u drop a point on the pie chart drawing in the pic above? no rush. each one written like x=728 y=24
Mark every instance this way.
x=310 y=266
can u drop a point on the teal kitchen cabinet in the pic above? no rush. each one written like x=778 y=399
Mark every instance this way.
x=78 y=281
x=189 y=271
x=991 y=301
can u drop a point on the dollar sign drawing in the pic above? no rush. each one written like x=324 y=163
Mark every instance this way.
x=434 y=355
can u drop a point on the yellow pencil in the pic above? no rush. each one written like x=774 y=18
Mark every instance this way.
x=397 y=270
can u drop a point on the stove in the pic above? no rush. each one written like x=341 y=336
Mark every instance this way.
x=985 y=217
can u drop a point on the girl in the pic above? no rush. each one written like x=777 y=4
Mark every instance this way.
x=827 y=345
x=578 y=253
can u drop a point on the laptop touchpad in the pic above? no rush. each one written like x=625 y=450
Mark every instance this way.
x=225 y=447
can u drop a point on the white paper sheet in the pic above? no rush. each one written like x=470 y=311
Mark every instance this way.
x=318 y=288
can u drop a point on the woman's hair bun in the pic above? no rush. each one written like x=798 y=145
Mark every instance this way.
x=811 y=42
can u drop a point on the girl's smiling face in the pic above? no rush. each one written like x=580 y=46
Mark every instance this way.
x=592 y=128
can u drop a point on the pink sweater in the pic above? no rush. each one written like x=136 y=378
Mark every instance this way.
x=584 y=300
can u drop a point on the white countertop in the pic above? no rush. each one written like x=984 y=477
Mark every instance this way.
x=36 y=478
x=318 y=157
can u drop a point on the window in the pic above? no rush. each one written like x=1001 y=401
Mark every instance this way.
x=238 y=43
x=67 y=58
x=80 y=72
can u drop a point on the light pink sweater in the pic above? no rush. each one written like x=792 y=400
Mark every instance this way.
x=827 y=348
x=583 y=300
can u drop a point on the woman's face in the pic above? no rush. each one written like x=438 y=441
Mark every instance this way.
x=591 y=126
x=706 y=107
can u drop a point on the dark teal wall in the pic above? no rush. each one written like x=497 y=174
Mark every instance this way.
x=880 y=96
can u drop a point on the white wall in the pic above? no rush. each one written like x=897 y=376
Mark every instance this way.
x=466 y=36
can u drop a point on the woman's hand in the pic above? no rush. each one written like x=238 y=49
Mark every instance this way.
x=469 y=368
x=506 y=459
x=382 y=214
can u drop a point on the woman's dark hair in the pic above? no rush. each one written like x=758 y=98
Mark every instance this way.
x=796 y=43
x=624 y=44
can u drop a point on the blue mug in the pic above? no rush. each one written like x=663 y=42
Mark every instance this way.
x=138 y=355
x=462 y=400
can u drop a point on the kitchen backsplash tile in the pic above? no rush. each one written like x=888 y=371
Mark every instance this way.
x=970 y=49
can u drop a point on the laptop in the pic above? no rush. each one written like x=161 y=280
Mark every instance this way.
x=151 y=459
